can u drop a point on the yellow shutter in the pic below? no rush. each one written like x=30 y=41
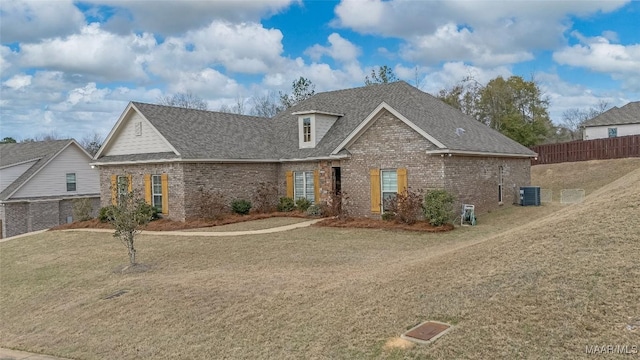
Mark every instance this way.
x=130 y=183
x=402 y=180
x=290 y=184
x=316 y=186
x=147 y=188
x=374 y=175
x=165 y=194
x=114 y=189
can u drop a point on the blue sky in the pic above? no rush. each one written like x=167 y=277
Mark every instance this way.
x=72 y=67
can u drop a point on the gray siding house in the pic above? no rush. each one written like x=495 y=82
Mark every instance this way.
x=40 y=180
x=623 y=121
x=367 y=143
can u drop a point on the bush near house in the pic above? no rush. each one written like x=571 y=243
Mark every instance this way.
x=405 y=207
x=241 y=206
x=438 y=207
x=314 y=210
x=211 y=205
x=286 y=204
x=303 y=204
x=266 y=198
x=82 y=209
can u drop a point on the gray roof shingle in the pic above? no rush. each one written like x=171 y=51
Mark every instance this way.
x=628 y=114
x=198 y=134
x=41 y=151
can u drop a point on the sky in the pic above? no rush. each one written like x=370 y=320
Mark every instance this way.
x=70 y=68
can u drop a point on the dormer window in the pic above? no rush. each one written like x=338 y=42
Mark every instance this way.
x=306 y=129
x=313 y=125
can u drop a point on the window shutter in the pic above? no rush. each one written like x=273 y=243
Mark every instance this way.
x=374 y=175
x=130 y=183
x=165 y=194
x=402 y=180
x=290 y=184
x=147 y=188
x=114 y=189
x=316 y=186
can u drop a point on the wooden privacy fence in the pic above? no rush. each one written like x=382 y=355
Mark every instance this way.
x=582 y=150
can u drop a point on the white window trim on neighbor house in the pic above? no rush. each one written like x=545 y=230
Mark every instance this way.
x=307 y=188
x=156 y=192
x=72 y=185
x=390 y=176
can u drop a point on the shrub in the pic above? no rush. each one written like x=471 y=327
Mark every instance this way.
x=211 y=205
x=286 y=204
x=82 y=209
x=314 y=210
x=388 y=216
x=148 y=211
x=266 y=198
x=106 y=213
x=241 y=206
x=405 y=207
x=303 y=204
x=334 y=204
x=438 y=207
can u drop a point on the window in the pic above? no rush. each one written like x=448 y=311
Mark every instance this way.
x=306 y=129
x=389 y=184
x=71 y=182
x=613 y=132
x=123 y=186
x=156 y=192
x=500 y=184
x=303 y=186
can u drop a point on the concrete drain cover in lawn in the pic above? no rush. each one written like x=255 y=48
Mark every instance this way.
x=426 y=332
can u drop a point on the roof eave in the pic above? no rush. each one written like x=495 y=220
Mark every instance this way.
x=451 y=152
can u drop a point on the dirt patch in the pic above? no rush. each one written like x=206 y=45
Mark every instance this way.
x=171 y=225
x=398 y=343
x=366 y=223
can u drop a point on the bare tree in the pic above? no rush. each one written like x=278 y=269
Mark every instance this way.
x=237 y=108
x=264 y=105
x=573 y=119
x=185 y=100
x=128 y=217
x=91 y=143
x=50 y=136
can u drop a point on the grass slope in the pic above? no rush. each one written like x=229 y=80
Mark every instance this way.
x=587 y=175
x=527 y=283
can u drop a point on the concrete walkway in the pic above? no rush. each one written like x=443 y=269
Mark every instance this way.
x=8 y=354
x=216 y=233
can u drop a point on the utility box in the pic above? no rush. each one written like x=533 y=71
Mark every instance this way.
x=530 y=195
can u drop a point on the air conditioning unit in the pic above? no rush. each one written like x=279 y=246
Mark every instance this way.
x=530 y=196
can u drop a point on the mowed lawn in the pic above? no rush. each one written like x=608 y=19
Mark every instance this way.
x=535 y=282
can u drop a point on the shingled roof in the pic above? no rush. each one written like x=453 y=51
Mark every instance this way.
x=207 y=135
x=18 y=153
x=628 y=114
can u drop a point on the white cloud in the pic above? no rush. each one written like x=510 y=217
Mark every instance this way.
x=175 y=17
x=32 y=20
x=599 y=54
x=18 y=82
x=93 y=52
x=486 y=33
x=339 y=49
x=454 y=72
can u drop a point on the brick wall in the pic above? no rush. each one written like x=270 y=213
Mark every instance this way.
x=16 y=219
x=475 y=180
x=137 y=172
x=43 y=215
x=387 y=144
x=235 y=181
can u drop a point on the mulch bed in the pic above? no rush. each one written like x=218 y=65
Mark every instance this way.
x=367 y=223
x=170 y=225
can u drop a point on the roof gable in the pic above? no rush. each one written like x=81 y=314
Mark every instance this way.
x=628 y=114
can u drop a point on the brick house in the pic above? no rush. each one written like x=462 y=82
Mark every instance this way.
x=40 y=180
x=368 y=143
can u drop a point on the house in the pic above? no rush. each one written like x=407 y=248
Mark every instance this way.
x=367 y=143
x=614 y=122
x=40 y=180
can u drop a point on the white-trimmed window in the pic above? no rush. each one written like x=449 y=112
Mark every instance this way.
x=303 y=185
x=71 y=182
x=389 y=186
x=612 y=132
x=156 y=192
x=123 y=186
x=306 y=129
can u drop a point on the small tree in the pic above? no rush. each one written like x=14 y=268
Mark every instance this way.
x=301 y=89
x=383 y=75
x=128 y=218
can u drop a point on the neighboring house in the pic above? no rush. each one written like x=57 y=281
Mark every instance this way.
x=614 y=122
x=40 y=180
x=367 y=143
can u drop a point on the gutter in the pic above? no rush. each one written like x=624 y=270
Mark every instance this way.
x=220 y=161
x=478 y=153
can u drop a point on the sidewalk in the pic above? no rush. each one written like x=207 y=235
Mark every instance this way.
x=8 y=354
